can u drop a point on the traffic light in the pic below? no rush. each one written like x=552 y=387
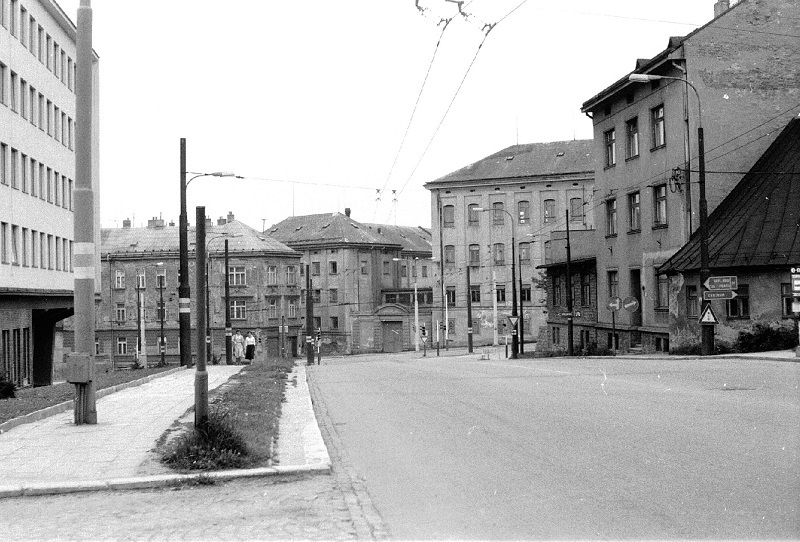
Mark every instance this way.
x=319 y=334
x=423 y=330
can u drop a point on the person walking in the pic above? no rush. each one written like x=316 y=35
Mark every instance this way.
x=249 y=347
x=238 y=347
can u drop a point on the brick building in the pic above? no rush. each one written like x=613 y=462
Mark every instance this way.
x=743 y=64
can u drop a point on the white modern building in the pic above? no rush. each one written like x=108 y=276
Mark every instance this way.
x=37 y=178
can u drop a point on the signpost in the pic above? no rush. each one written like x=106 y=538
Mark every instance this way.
x=796 y=301
x=513 y=321
x=722 y=283
x=711 y=295
x=708 y=317
x=630 y=304
x=614 y=303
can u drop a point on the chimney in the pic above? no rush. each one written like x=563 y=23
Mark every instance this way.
x=208 y=222
x=126 y=223
x=347 y=212
x=221 y=221
x=721 y=7
x=155 y=222
x=171 y=223
x=230 y=217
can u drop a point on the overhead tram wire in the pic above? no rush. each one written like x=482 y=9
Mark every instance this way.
x=416 y=104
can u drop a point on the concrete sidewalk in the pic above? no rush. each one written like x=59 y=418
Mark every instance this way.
x=53 y=455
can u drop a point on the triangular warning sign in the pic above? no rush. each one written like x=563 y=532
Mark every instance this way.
x=513 y=320
x=708 y=316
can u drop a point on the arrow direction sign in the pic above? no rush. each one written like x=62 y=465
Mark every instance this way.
x=630 y=304
x=721 y=283
x=708 y=316
x=718 y=294
x=614 y=303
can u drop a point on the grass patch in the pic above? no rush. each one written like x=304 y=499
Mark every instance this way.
x=243 y=421
x=29 y=400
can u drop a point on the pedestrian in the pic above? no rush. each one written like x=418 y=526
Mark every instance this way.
x=250 y=347
x=238 y=347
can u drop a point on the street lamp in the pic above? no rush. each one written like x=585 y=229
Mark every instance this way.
x=183 y=278
x=140 y=302
x=210 y=266
x=416 y=304
x=706 y=330
x=514 y=343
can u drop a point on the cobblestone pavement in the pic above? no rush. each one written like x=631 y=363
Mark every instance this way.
x=310 y=507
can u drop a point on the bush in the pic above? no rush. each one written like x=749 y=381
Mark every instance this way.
x=763 y=337
x=7 y=389
x=217 y=445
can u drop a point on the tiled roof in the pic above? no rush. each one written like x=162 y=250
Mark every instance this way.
x=411 y=238
x=166 y=239
x=758 y=223
x=528 y=160
x=324 y=228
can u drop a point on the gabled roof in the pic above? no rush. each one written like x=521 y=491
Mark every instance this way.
x=758 y=223
x=118 y=241
x=528 y=160
x=328 y=228
x=411 y=238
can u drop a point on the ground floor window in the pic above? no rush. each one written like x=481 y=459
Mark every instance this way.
x=238 y=309
x=122 y=346
x=739 y=306
x=692 y=305
x=556 y=335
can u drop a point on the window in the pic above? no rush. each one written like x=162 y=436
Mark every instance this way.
x=25 y=247
x=119 y=278
x=333 y=268
x=662 y=292
x=549 y=210
x=657 y=123
x=556 y=335
x=141 y=281
x=692 y=305
x=786 y=300
x=660 y=205
x=524 y=252
x=292 y=308
x=576 y=209
x=632 y=138
x=120 y=312
x=558 y=290
x=449 y=256
x=316 y=295
x=318 y=323
x=498 y=214
x=524 y=211
x=238 y=309
x=272 y=308
x=315 y=268
x=291 y=275
x=161 y=310
x=272 y=274
x=236 y=275
x=739 y=307
x=14 y=91
x=161 y=279
x=3 y=161
x=525 y=293
x=403 y=270
x=387 y=268
x=449 y=216
x=475 y=255
x=634 y=212
x=475 y=294
x=364 y=267
x=14 y=160
x=122 y=346
x=613 y=284
x=334 y=322
x=611 y=217
x=14 y=245
x=586 y=289
x=333 y=296
x=3 y=242
x=610 y=138
x=499 y=254
x=450 y=294
x=473 y=216
x=500 y=294
x=424 y=271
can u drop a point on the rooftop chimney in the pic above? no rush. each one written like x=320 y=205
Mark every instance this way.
x=171 y=223
x=721 y=7
x=208 y=222
x=155 y=222
x=230 y=217
x=347 y=212
x=126 y=223
x=221 y=221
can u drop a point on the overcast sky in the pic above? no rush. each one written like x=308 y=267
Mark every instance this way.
x=311 y=100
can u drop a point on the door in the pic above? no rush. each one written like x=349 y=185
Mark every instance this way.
x=392 y=336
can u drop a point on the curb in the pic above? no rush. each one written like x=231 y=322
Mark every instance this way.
x=68 y=405
x=154 y=482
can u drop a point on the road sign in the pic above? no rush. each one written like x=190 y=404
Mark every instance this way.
x=469 y=330
x=614 y=303
x=424 y=339
x=308 y=339
x=796 y=283
x=513 y=320
x=795 y=306
x=577 y=314
x=708 y=316
x=710 y=295
x=722 y=283
x=566 y=315
x=630 y=304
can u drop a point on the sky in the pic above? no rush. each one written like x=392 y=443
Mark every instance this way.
x=323 y=104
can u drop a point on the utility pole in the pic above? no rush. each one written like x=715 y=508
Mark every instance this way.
x=184 y=301
x=201 y=374
x=521 y=311
x=162 y=313
x=309 y=319
x=514 y=338
x=142 y=350
x=469 y=314
x=82 y=360
x=495 y=339
x=228 y=328
x=570 y=323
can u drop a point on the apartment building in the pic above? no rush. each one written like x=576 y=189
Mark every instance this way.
x=363 y=280
x=37 y=177
x=743 y=71
x=524 y=193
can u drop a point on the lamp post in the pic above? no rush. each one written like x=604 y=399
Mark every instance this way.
x=707 y=330
x=210 y=266
x=183 y=274
x=514 y=343
x=142 y=328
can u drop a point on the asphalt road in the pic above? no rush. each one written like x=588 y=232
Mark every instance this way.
x=459 y=448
